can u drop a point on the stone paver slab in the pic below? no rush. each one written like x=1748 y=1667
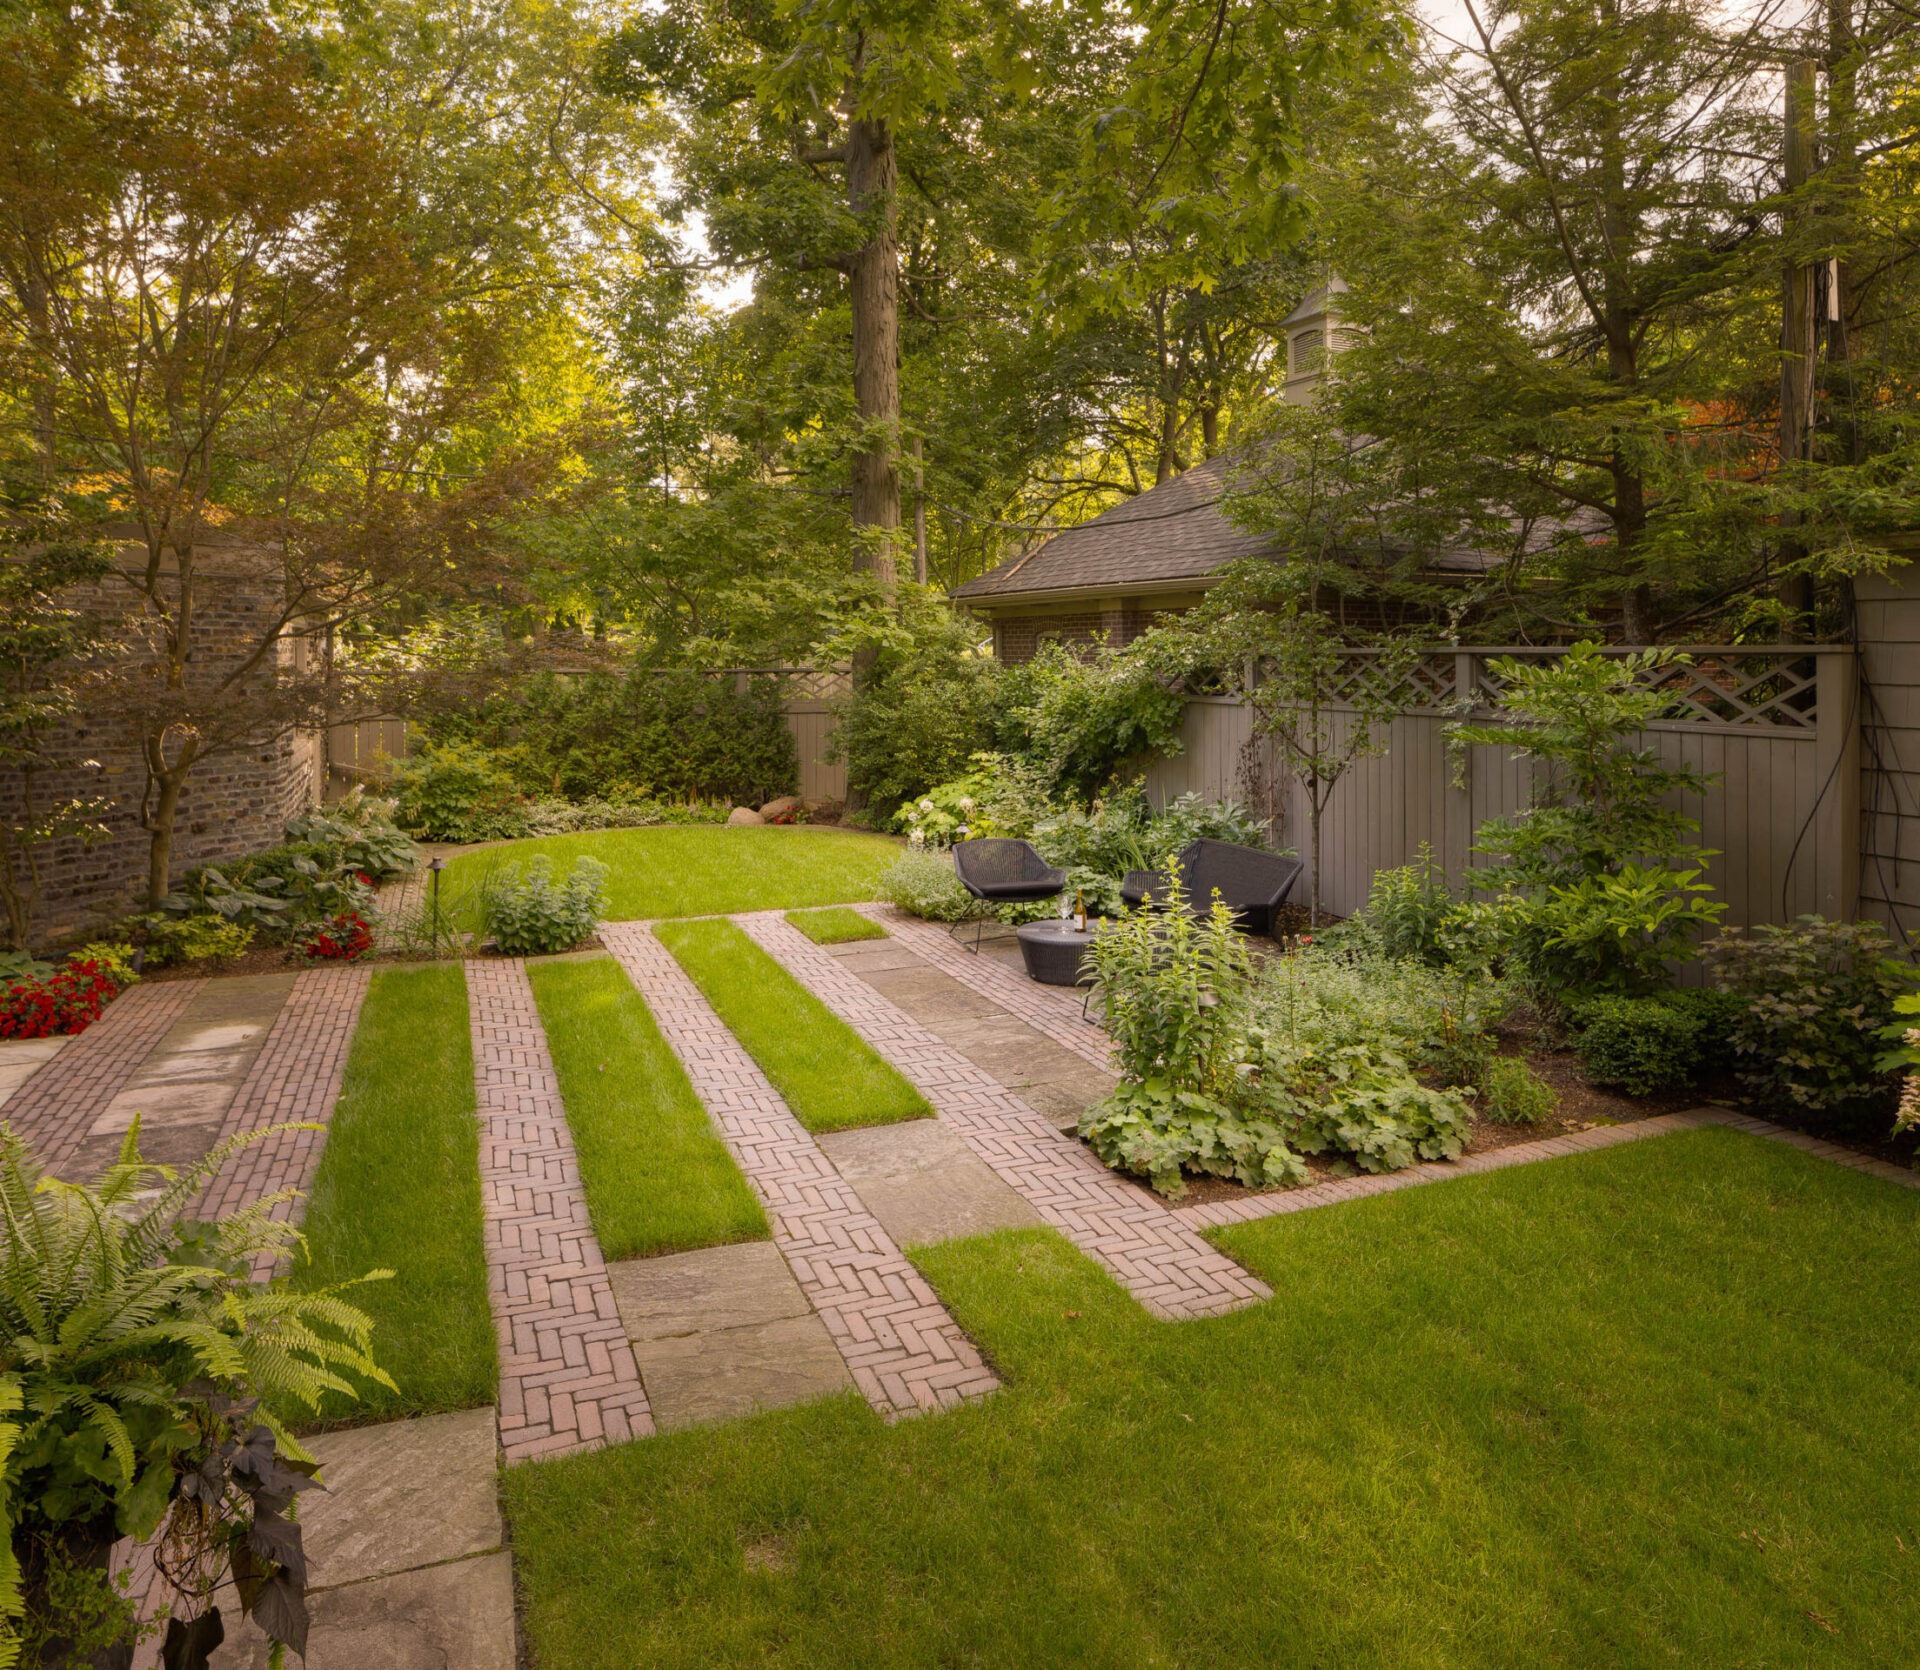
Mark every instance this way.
x=715 y=1287
x=452 y=1617
x=925 y=1184
x=53 y=1109
x=928 y=995
x=401 y=1495
x=693 y=1379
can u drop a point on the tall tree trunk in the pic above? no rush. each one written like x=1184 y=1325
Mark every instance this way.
x=919 y=512
x=873 y=179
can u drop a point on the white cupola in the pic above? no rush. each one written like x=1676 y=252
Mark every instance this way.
x=1312 y=331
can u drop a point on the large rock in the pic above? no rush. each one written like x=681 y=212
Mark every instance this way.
x=744 y=814
x=781 y=810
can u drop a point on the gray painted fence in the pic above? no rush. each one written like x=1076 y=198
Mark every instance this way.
x=1774 y=725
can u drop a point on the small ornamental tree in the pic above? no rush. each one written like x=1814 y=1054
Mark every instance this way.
x=1598 y=881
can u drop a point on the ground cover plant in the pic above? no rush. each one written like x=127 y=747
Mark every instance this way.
x=657 y=1177
x=837 y=925
x=678 y=872
x=398 y=1188
x=530 y=911
x=826 y=1072
x=1479 y=1416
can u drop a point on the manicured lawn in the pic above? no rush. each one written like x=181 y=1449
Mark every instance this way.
x=707 y=871
x=657 y=1178
x=1654 y=1406
x=827 y=1073
x=398 y=1188
x=835 y=926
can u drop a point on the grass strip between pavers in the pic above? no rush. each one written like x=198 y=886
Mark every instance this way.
x=1656 y=1405
x=821 y=1066
x=398 y=1188
x=837 y=925
x=657 y=1177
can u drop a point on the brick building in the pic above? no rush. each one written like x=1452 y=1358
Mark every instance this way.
x=236 y=801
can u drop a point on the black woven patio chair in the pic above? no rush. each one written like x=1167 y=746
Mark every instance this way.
x=1002 y=872
x=1253 y=884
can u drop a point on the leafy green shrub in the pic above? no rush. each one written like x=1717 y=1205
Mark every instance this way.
x=673 y=734
x=1513 y=1093
x=1599 y=887
x=1367 y=1106
x=198 y=937
x=1813 y=999
x=1406 y=911
x=361 y=833
x=923 y=884
x=1087 y=720
x=1176 y=990
x=154 y=1376
x=458 y=791
x=567 y=817
x=1644 y=1044
x=530 y=912
x=928 y=705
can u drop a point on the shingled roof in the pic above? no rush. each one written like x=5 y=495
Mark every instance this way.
x=1167 y=534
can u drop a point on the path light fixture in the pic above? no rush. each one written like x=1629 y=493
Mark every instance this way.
x=435 y=865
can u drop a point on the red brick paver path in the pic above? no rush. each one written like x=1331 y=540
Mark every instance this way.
x=1053 y=1010
x=55 y=1107
x=1160 y=1259
x=295 y=1078
x=905 y=1352
x=568 y=1380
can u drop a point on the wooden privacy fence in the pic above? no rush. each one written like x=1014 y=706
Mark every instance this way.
x=1777 y=727
x=361 y=752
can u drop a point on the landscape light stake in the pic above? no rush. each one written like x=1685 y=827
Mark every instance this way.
x=435 y=865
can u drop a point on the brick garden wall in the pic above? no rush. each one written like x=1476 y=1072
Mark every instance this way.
x=234 y=803
x=1018 y=638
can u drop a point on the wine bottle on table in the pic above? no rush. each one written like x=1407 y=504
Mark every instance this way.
x=1079 y=911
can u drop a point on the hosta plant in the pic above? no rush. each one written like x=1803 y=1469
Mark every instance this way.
x=154 y=1375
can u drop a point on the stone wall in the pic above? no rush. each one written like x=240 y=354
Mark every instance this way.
x=235 y=801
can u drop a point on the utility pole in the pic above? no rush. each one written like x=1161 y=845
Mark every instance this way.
x=919 y=514
x=1797 y=321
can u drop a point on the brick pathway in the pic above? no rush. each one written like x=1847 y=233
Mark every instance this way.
x=905 y=1352
x=1054 y=1010
x=55 y=1107
x=567 y=1375
x=1159 y=1258
x=295 y=1078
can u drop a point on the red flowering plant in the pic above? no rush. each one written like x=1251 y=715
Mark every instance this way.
x=67 y=1000
x=340 y=938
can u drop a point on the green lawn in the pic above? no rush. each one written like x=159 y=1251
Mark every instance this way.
x=708 y=871
x=837 y=925
x=398 y=1188
x=827 y=1073
x=657 y=1177
x=1653 y=1406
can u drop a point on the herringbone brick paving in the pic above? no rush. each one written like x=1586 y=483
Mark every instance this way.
x=54 y=1109
x=1160 y=1259
x=294 y=1079
x=906 y=1354
x=1052 y=1010
x=568 y=1380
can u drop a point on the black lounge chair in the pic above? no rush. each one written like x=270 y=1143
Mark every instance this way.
x=1252 y=883
x=1002 y=872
